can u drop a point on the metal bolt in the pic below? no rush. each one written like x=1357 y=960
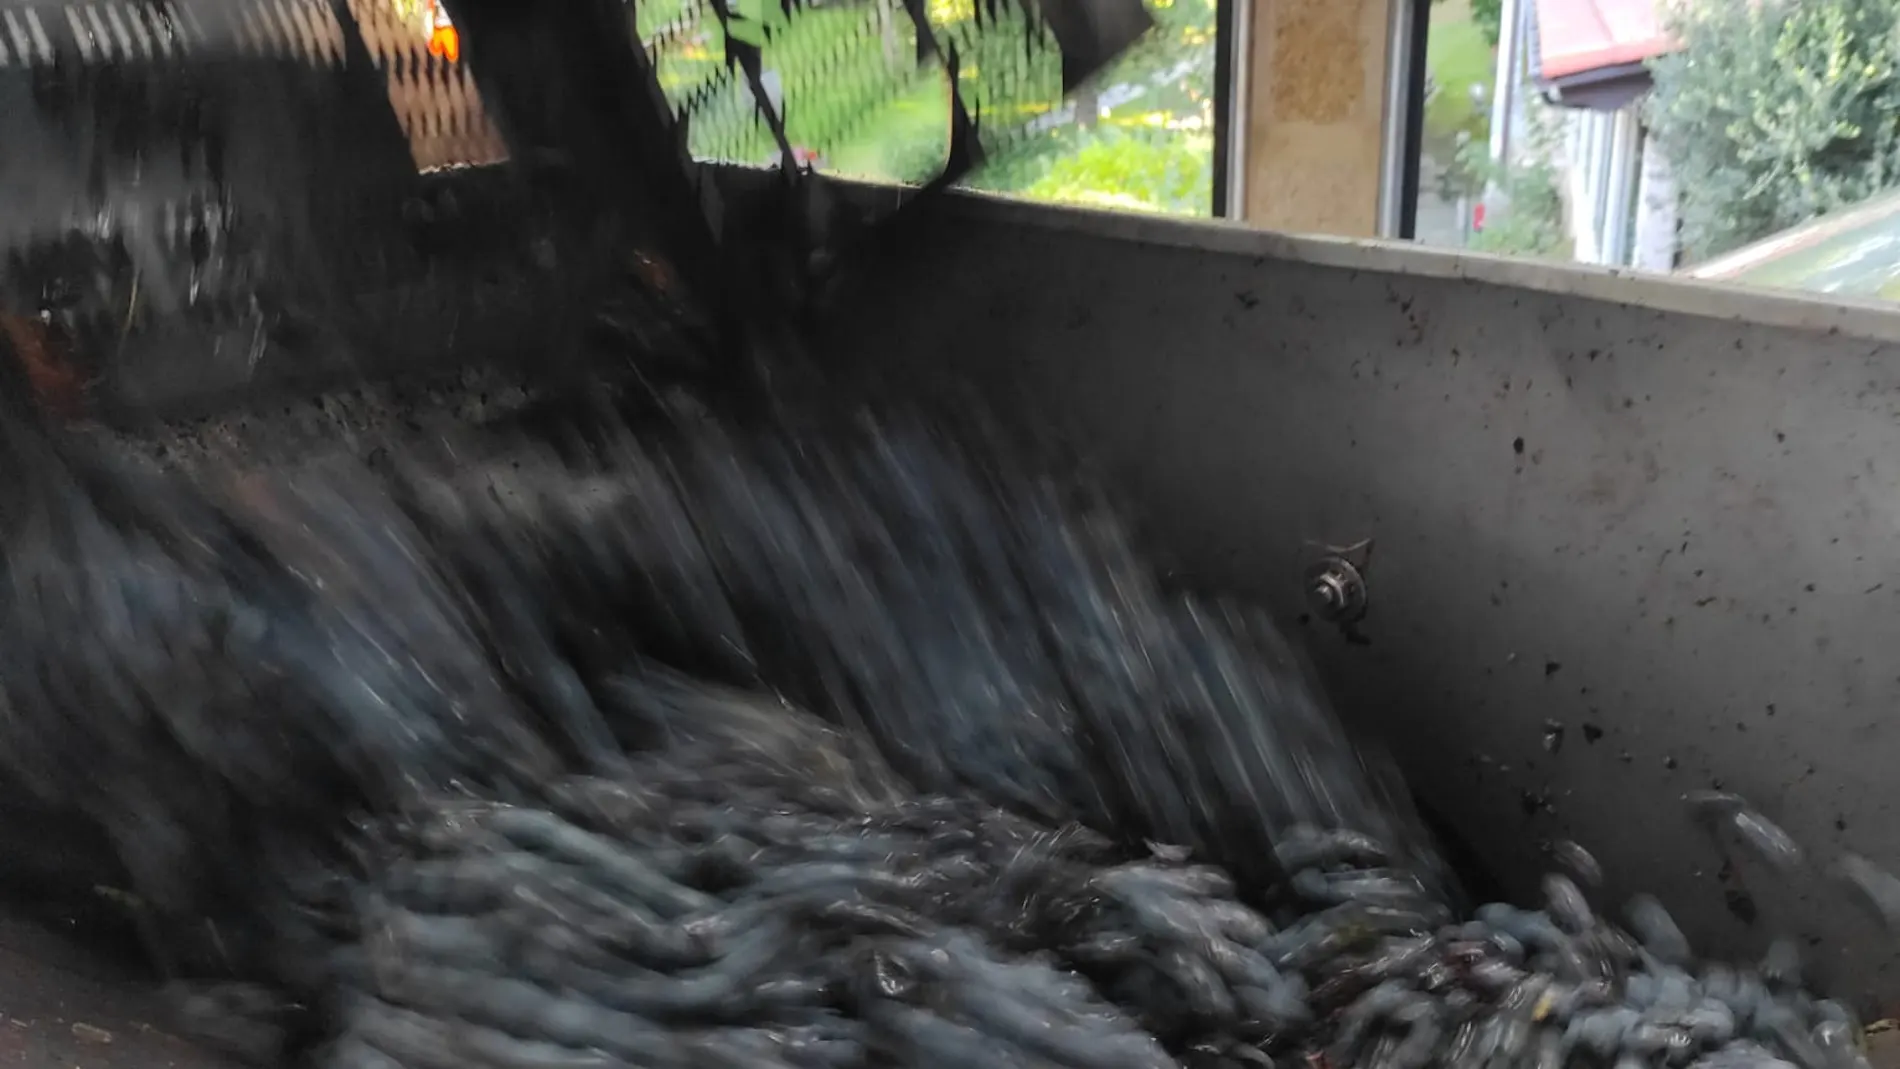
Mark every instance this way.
x=1336 y=590
x=1330 y=592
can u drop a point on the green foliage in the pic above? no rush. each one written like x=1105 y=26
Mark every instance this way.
x=1126 y=167
x=1529 y=218
x=1776 y=111
x=1180 y=45
x=1531 y=222
x=840 y=83
x=1458 y=59
x=1152 y=152
x=904 y=141
x=1486 y=15
x=871 y=114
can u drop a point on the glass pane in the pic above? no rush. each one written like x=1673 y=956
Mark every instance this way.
x=857 y=104
x=1140 y=137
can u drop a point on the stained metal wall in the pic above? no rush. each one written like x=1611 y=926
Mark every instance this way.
x=1632 y=538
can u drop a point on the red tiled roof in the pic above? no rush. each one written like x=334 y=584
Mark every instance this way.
x=1575 y=36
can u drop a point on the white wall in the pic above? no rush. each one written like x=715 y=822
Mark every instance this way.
x=1620 y=206
x=1657 y=214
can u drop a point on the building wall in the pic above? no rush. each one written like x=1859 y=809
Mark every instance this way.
x=1315 y=115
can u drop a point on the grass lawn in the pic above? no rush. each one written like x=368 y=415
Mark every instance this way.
x=1458 y=58
x=1456 y=51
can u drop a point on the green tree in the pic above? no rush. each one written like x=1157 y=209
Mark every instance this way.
x=1487 y=16
x=1774 y=111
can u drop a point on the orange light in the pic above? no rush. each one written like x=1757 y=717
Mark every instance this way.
x=446 y=43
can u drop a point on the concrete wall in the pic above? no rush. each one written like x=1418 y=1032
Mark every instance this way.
x=1632 y=537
